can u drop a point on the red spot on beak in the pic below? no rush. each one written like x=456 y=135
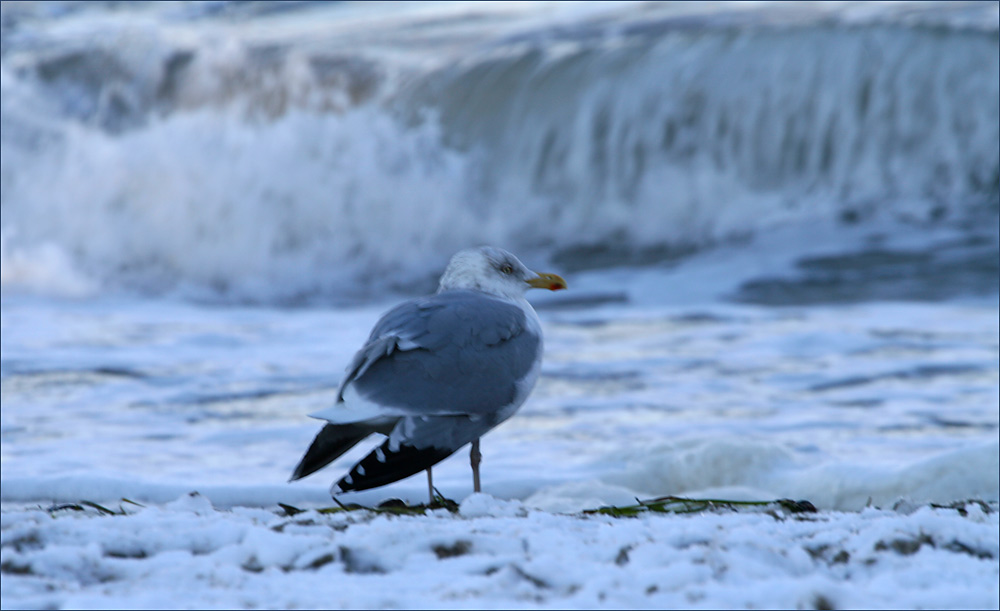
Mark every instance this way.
x=547 y=281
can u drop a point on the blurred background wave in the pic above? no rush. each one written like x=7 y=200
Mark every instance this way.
x=296 y=152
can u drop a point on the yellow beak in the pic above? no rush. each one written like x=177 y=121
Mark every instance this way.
x=547 y=281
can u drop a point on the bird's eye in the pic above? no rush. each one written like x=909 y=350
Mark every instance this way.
x=507 y=269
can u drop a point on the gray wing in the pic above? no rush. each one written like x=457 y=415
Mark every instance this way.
x=459 y=352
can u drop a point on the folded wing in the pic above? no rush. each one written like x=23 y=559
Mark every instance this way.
x=435 y=374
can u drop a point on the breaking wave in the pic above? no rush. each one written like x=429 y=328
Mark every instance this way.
x=239 y=167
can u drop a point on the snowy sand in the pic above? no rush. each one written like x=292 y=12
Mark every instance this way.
x=499 y=554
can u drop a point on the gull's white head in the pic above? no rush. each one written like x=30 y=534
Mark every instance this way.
x=495 y=271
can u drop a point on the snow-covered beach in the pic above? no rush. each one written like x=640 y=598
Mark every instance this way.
x=499 y=554
x=782 y=285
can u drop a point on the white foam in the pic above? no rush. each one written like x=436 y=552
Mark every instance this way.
x=306 y=204
x=42 y=268
x=244 y=172
x=479 y=505
x=759 y=470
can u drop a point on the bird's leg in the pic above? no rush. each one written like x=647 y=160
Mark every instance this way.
x=475 y=457
x=430 y=487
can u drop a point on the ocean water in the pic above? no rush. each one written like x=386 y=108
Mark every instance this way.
x=779 y=225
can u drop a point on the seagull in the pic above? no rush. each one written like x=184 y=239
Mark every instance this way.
x=437 y=373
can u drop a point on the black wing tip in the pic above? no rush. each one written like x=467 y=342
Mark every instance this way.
x=384 y=466
x=298 y=474
x=332 y=441
x=310 y=463
x=304 y=468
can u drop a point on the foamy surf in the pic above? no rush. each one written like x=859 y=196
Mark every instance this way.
x=288 y=165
